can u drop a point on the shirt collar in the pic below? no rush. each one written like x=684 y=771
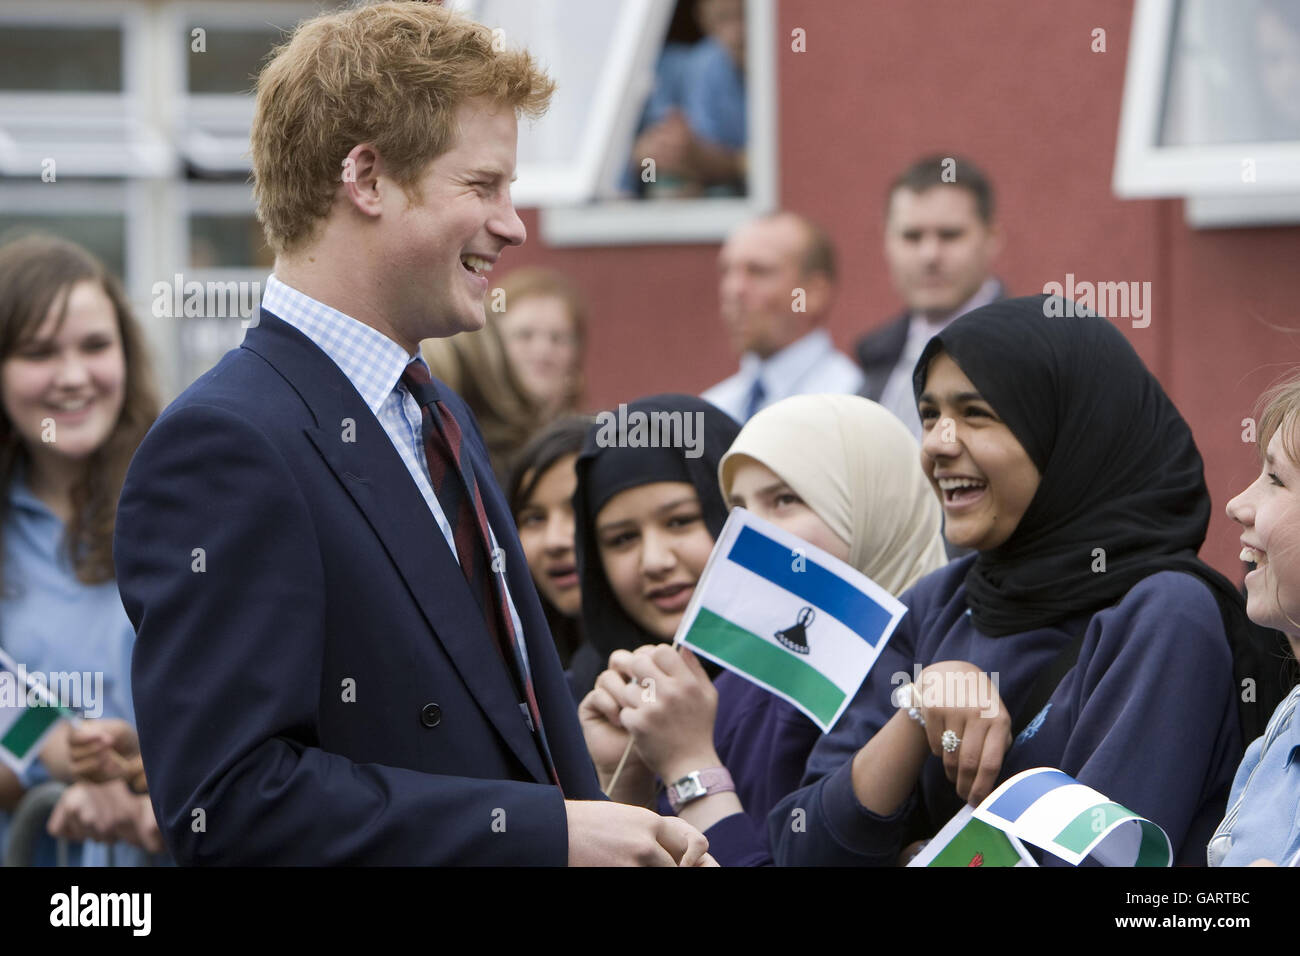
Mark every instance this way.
x=986 y=293
x=21 y=496
x=371 y=360
x=791 y=363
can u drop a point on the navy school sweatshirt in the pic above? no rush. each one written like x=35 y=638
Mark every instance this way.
x=1148 y=716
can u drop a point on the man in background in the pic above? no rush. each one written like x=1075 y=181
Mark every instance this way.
x=776 y=287
x=940 y=242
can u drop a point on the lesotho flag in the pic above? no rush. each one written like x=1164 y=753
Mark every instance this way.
x=788 y=616
x=27 y=715
x=1051 y=809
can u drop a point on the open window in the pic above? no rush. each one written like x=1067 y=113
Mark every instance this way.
x=1211 y=110
x=575 y=162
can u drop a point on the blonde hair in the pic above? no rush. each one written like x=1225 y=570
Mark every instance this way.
x=389 y=74
x=1280 y=405
x=535 y=282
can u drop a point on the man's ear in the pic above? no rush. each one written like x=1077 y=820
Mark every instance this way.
x=359 y=175
x=993 y=242
x=819 y=293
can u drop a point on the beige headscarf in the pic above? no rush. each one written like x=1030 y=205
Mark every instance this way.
x=859 y=469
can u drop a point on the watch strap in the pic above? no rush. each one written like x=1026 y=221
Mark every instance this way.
x=699 y=783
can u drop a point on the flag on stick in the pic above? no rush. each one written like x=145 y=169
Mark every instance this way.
x=27 y=715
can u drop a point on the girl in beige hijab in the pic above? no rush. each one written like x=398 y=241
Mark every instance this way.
x=856 y=470
x=843 y=474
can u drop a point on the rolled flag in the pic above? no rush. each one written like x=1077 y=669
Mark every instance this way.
x=788 y=616
x=1052 y=810
x=967 y=842
x=27 y=715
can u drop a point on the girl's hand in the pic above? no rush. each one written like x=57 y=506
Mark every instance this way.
x=607 y=741
x=101 y=750
x=959 y=698
x=669 y=706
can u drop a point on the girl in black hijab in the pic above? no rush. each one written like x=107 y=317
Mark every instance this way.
x=604 y=471
x=1084 y=634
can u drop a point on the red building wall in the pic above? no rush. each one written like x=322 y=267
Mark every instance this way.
x=1015 y=86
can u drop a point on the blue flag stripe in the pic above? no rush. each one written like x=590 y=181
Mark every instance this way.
x=819 y=587
x=1018 y=798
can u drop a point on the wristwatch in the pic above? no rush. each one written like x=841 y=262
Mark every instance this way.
x=699 y=783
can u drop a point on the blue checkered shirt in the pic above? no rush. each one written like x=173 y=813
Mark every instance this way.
x=374 y=364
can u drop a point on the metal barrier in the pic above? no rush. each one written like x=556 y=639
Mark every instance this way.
x=27 y=824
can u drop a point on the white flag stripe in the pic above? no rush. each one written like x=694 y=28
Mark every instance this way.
x=746 y=601
x=762 y=608
x=1043 y=819
x=1116 y=844
x=1119 y=844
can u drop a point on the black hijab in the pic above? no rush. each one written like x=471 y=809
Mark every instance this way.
x=1118 y=469
x=603 y=471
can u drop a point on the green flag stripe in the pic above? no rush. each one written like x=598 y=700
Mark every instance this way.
x=1083 y=829
x=766 y=662
x=1154 y=850
x=27 y=729
x=977 y=837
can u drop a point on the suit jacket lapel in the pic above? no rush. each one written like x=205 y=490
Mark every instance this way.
x=372 y=472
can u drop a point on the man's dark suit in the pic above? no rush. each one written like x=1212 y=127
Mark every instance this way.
x=879 y=351
x=318 y=679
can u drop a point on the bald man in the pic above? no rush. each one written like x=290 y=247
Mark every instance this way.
x=776 y=288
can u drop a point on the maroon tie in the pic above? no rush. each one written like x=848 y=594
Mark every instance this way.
x=452 y=474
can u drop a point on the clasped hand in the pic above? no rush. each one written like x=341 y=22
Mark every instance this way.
x=958 y=697
x=667 y=704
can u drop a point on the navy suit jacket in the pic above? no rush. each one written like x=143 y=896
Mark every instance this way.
x=314 y=682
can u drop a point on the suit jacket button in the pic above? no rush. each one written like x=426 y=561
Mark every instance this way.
x=431 y=715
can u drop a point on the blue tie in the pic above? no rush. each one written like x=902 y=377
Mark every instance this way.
x=756 y=396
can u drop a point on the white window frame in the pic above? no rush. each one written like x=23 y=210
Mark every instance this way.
x=144 y=238
x=185 y=334
x=628 y=221
x=213 y=199
x=627 y=76
x=147 y=153
x=125 y=198
x=1209 y=176
x=212 y=128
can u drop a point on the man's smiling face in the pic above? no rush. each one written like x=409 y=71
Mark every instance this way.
x=456 y=222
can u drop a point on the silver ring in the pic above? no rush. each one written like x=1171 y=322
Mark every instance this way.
x=950 y=742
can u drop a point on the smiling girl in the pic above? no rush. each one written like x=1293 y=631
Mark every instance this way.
x=645 y=520
x=1264 y=806
x=840 y=472
x=77 y=399
x=1084 y=634
x=540 y=493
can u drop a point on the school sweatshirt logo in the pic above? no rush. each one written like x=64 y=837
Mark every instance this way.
x=1034 y=724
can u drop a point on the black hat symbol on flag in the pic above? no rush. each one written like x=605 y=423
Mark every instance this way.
x=795 y=637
